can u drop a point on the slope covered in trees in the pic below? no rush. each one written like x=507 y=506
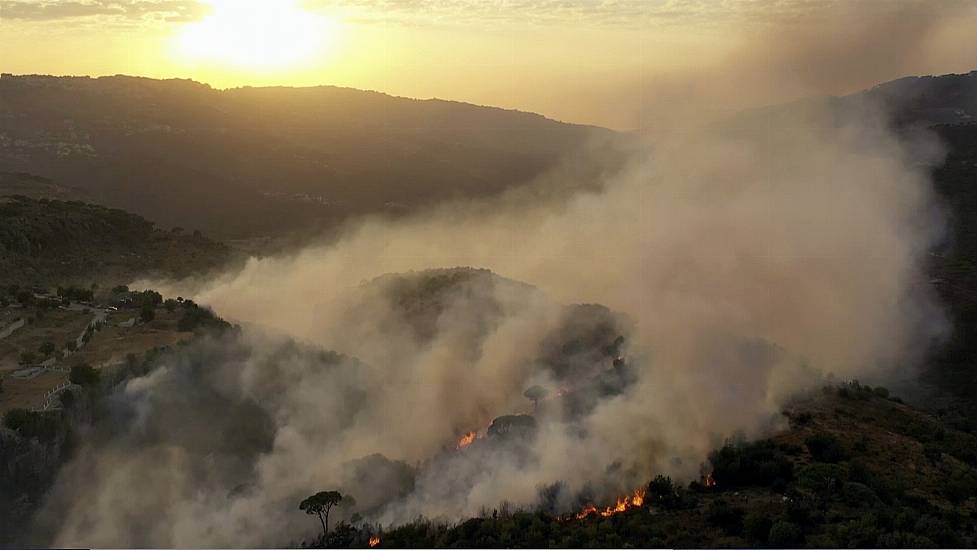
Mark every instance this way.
x=254 y=161
x=51 y=242
x=856 y=468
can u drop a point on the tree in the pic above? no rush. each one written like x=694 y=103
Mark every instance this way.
x=535 y=394
x=784 y=534
x=47 y=348
x=84 y=375
x=320 y=504
x=662 y=492
x=147 y=313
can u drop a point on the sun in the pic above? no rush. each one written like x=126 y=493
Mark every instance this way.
x=255 y=34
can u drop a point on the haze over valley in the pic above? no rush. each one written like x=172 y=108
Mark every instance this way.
x=319 y=316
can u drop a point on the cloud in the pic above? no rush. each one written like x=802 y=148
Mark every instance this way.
x=629 y=13
x=40 y=10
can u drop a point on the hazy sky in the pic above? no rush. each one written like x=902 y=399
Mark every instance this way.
x=618 y=63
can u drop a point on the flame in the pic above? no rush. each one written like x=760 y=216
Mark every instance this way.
x=374 y=541
x=467 y=440
x=623 y=504
x=709 y=481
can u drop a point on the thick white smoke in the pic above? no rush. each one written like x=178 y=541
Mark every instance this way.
x=748 y=260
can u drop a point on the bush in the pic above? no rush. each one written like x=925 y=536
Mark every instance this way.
x=858 y=495
x=147 y=313
x=662 y=492
x=802 y=419
x=31 y=424
x=67 y=399
x=881 y=392
x=726 y=517
x=937 y=530
x=756 y=526
x=799 y=511
x=761 y=463
x=822 y=480
x=825 y=448
x=863 y=533
x=84 y=375
x=195 y=316
x=784 y=534
x=961 y=486
x=47 y=348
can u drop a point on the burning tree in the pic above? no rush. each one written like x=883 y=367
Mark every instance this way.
x=320 y=504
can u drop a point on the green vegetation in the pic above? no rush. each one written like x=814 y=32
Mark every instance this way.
x=320 y=504
x=44 y=241
x=29 y=424
x=244 y=139
x=84 y=375
x=196 y=317
x=839 y=478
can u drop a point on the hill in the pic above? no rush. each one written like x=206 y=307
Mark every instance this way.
x=254 y=161
x=47 y=242
x=928 y=100
x=855 y=469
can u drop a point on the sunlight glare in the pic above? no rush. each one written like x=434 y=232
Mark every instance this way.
x=255 y=34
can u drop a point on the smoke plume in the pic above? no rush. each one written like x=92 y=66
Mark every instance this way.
x=739 y=263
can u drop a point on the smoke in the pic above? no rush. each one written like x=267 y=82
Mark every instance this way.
x=740 y=262
x=800 y=51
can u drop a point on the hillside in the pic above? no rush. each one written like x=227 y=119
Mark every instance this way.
x=47 y=243
x=254 y=161
x=855 y=469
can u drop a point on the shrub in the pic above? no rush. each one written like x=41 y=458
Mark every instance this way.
x=662 y=492
x=47 y=348
x=802 y=419
x=960 y=486
x=858 y=495
x=821 y=479
x=728 y=518
x=147 y=313
x=784 y=534
x=825 y=448
x=756 y=526
x=932 y=452
x=31 y=424
x=84 y=375
x=761 y=463
x=67 y=399
x=862 y=533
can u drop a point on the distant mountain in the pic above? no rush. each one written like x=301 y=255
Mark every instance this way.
x=947 y=105
x=928 y=100
x=50 y=242
x=254 y=161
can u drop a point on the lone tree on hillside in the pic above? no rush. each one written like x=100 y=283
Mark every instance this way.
x=47 y=348
x=320 y=504
x=84 y=375
x=535 y=394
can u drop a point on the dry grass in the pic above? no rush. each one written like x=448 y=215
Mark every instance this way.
x=107 y=348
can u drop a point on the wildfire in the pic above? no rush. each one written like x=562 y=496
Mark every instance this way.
x=374 y=541
x=467 y=440
x=709 y=481
x=623 y=504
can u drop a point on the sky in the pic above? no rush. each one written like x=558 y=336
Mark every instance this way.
x=623 y=64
